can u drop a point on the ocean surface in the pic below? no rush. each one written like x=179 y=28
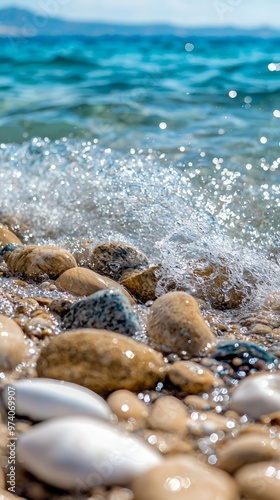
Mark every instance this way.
x=169 y=144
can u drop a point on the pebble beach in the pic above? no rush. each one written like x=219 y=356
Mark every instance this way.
x=139 y=269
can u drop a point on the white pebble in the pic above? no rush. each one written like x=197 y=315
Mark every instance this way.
x=79 y=453
x=257 y=395
x=41 y=399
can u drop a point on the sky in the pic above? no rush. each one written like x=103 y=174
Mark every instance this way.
x=249 y=13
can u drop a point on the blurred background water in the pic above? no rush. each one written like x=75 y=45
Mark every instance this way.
x=168 y=143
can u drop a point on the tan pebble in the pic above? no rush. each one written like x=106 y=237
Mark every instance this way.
x=254 y=428
x=175 y=322
x=168 y=414
x=101 y=360
x=127 y=405
x=6 y=237
x=197 y=403
x=191 y=377
x=247 y=449
x=81 y=281
x=166 y=442
x=184 y=477
x=143 y=285
x=20 y=283
x=273 y=301
x=60 y=306
x=39 y=326
x=259 y=329
x=26 y=306
x=13 y=346
x=43 y=301
x=260 y=481
x=213 y=282
x=34 y=261
x=112 y=259
x=204 y=424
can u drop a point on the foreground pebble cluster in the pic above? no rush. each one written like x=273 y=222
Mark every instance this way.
x=123 y=394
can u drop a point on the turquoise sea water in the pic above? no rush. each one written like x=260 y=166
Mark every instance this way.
x=170 y=144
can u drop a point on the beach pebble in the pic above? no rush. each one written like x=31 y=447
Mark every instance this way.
x=260 y=481
x=112 y=259
x=82 y=281
x=79 y=453
x=214 y=284
x=101 y=360
x=108 y=309
x=257 y=395
x=127 y=406
x=13 y=346
x=34 y=261
x=143 y=285
x=191 y=377
x=181 y=478
x=168 y=414
x=246 y=449
x=6 y=237
x=167 y=442
x=244 y=356
x=175 y=323
x=41 y=399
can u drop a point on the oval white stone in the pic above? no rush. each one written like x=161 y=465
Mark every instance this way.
x=79 y=453
x=257 y=395
x=40 y=399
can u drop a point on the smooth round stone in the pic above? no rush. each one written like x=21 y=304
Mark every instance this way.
x=13 y=346
x=35 y=261
x=127 y=405
x=41 y=399
x=107 y=309
x=82 y=281
x=259 y=481
x=184 y=478
x=246 y=449
x=102 y=361
x=6 y=237
x=79 y=453
x=248 y=355
x=175 y=323
x=169 y=414
x=112 y=259
x=191 y=377
x=257 y=395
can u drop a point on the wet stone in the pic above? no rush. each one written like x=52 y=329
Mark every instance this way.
x=260 y=481
x=35 y=262
x=176 y=324
x=244 y=357
x=101 y=360
x=7 y=236
x=167 y=442
x=127 y=406
x=191 y=377
x=107 y=309
x=168 y=414
x=112 y=259
x=257 y=395
x=184 y=477
x=81 y=281
x=13 y=346
x=143 y=285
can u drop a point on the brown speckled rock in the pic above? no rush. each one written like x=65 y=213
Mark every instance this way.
x=143 y=285
x=191 y=377
x=214 y=284
x=169 y=414
x=260 y=481
x=81 y=281
x=112 y=259
x=184 y=478
x=246 y=449
x=127 y=406
x=35 y=262
x=6 y=237
x=13 y=346
x=101 y=360
x=176 y=324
